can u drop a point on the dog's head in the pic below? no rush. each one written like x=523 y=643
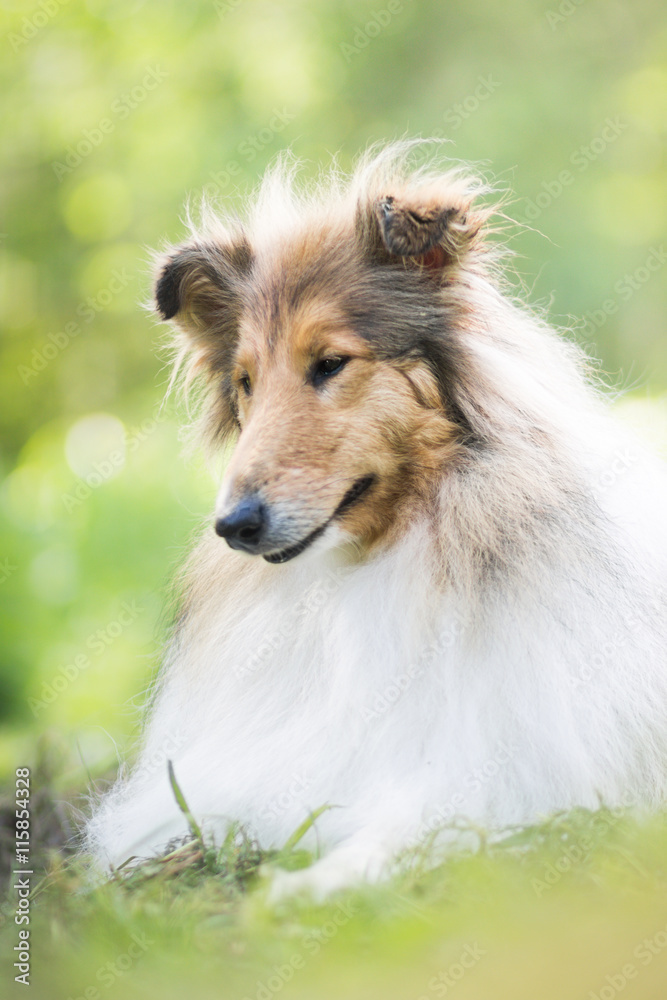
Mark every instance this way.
x=330 y=351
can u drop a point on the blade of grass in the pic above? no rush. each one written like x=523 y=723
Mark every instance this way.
x=195 y=829
x=303 y=828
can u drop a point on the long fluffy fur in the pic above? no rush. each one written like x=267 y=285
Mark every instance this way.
x=502 y=658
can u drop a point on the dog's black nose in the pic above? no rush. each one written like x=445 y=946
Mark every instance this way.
x=244 y=527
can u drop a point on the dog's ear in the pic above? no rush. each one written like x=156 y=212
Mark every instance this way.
x=431 y=228
x=198 y=286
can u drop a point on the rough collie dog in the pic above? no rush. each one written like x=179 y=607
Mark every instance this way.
x=433 y=586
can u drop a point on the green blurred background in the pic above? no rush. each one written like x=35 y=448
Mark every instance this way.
x=114 y=111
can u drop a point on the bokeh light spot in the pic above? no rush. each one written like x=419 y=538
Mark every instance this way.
x=95 y=446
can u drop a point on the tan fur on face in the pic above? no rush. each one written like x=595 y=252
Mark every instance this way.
x=302 y=447
x=376 y=271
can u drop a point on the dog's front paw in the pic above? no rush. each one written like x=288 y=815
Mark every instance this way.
x=342 y=869
x=318 y=884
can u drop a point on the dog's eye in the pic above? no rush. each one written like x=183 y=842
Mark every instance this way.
x=327 y=367
x=244 y=384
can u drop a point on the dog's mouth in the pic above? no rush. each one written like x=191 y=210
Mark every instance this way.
x=353 y=495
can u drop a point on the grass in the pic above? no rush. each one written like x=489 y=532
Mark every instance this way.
x=575 y=907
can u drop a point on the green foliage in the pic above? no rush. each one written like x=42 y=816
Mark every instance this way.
x=550 y=911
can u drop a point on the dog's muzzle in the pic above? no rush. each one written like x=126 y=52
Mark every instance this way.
x=247 y=527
